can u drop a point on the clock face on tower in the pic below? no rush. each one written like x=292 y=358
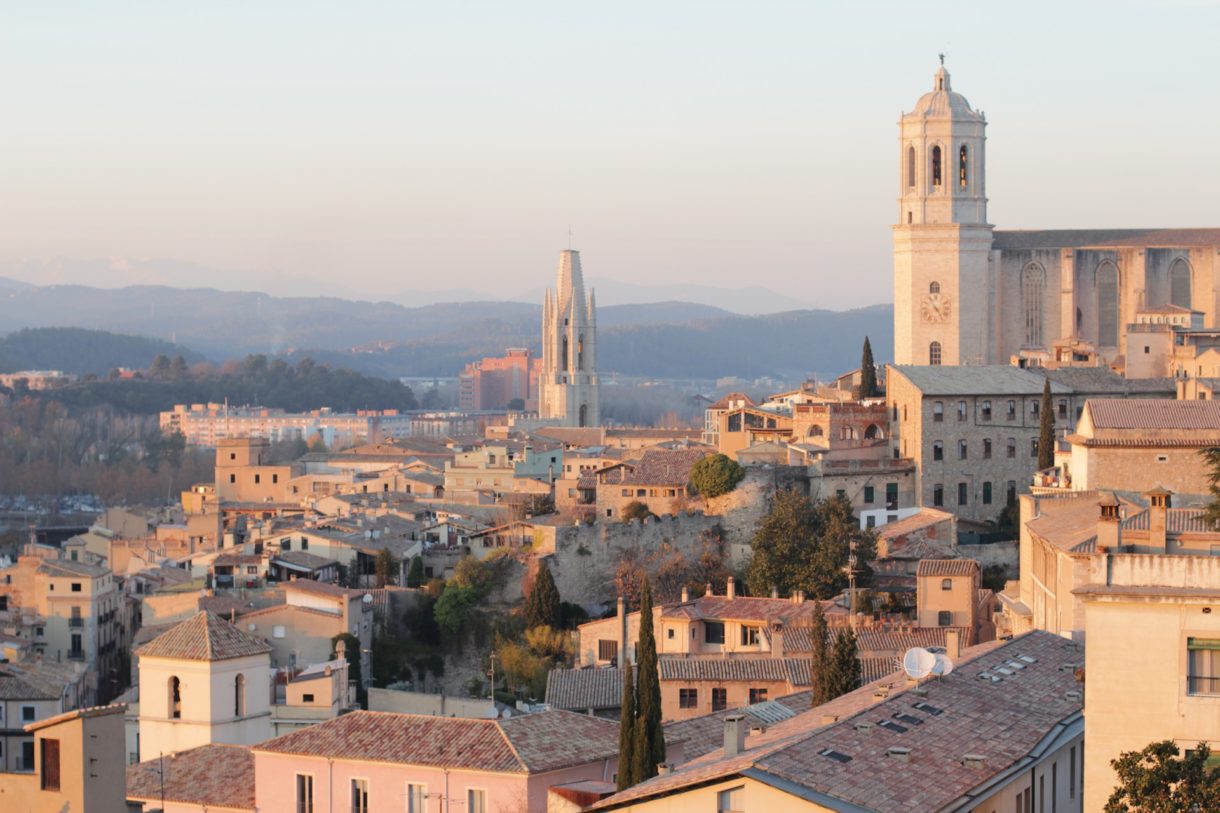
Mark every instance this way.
x=934 y=307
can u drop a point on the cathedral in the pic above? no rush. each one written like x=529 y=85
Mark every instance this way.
x=966 y=293
x=567 y=387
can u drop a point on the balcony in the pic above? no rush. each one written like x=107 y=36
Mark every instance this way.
x=1196 y=684
x=76 y=622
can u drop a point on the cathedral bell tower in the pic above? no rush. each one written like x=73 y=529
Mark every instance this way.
x=943 y=283
x=567 y=388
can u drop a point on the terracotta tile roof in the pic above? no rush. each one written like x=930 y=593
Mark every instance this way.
x=723 y=670
x=303 y=558
x=77 y=714
x=1177 y=521
x=733 y=400
x=530 y=743
x=926 y=517
x=664 y=467
x=1099 y=380
x=1003 y=721
x=67 y=567
x=15 y=687
x=947 y=567
x=583 y=689
x=208 y=776
x=321 y=588
x=1128 y=413
x=705 y=734
x=203 y=637
x=739 y=608
x=888 y=639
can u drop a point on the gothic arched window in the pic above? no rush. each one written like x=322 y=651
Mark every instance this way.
x=565 y=353
x=934 y=353
x=1033 y=295
x=934 y=287
x=961 y=167
x=1179 y=283
x=911 y=167
x=1107 y=305
x=580 y=353
x=936 y=166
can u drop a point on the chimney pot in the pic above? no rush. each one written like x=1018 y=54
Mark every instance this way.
x=774 y=591
x=734 y=734
x=953 y=644
x=685 y=594
x=708 y=590
x=730 y=588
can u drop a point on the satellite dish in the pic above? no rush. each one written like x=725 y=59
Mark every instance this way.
x=918 y=662
x=368 y=598
x=943 y=665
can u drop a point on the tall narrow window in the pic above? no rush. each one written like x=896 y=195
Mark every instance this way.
x=416 y=798
x=1033 y=294
x=1108 y=303
x=565 y=353
x=936 y=166
x=476 y=800
x=961 y=167
x=580 y=353
x=175 y=698
x=239 y=696
x=934 y=353
x=1179 y=283
x=911 y=167
x=50 y=764
x=360 y=796
x=304 y=793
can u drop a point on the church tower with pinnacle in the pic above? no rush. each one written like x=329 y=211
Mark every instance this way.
x=567 y=388
x=943 y=283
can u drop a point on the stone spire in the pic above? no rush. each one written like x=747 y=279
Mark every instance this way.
x=568 y=386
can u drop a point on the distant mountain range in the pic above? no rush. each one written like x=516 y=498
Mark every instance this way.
x=673 y=339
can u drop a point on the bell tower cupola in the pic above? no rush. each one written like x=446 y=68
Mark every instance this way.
x=943 y=173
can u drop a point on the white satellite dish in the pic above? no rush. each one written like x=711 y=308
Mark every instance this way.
x=943 y=665
x=918 y=663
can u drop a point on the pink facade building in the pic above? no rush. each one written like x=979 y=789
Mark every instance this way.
x=492 y=383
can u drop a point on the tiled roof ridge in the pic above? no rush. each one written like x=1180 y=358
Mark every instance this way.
x=512 y=747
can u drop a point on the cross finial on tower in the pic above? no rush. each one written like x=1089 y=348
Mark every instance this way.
x=942 y=58
x=569 y=237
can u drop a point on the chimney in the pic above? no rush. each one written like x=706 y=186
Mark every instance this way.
x=708 y=591
x=774 y=591
x=1108 y=532
x=730 y=588
x=734 y=734
x=685 y=594
x=953 y=644
x=622 y=633
x=1158 y=512
x=777 y=639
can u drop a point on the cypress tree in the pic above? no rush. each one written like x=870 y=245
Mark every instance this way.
x=415 y=573
x=626 y=731
x=1046 y=430
x=844 y=665
x=819 y=670
x=868 y=372
x=542 y=604
x=649 y=691
x=642 y=766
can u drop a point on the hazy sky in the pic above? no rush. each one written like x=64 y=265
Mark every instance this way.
x=358 y=147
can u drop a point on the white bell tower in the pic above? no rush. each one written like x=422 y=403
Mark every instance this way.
x=943 y=283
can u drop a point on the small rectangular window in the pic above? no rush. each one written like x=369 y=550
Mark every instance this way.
x=688 y=698
x=307 y=698
x=417 y=796
x=607 y=650
x=962 y=488
x=720 y=699
x=732 y=800
x=868 y=494
x=476 y=801
x=360 y=796
x=757 y=696
x=75 y=587
x=944 y=618
x=713 y=632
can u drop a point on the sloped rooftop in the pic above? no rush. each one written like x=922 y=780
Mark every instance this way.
x=204 y=637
